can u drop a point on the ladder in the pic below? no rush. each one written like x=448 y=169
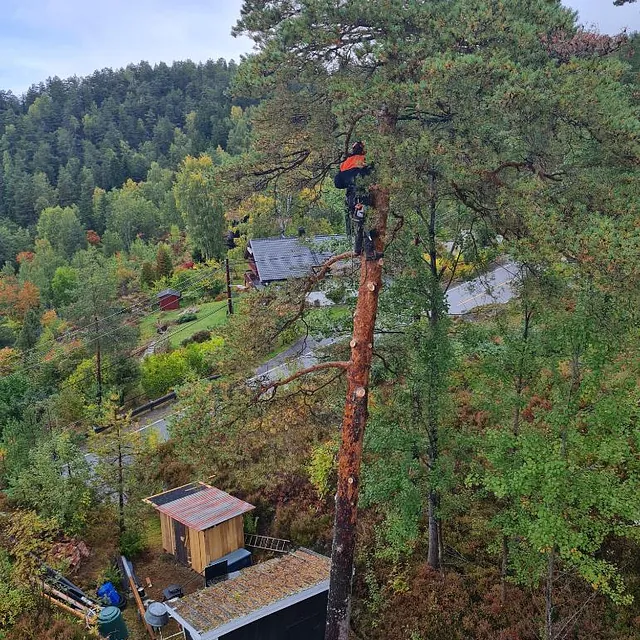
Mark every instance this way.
x=267 y=543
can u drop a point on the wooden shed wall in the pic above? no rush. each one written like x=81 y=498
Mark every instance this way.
x=224 y=538
x=168 y=534
x=205 y=546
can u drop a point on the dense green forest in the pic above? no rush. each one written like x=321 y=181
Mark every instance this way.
x=498 y=453
x=64 y=139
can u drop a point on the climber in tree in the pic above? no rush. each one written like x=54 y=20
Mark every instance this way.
x=354 y=167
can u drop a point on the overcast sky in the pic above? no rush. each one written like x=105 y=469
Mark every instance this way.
x=42 y=38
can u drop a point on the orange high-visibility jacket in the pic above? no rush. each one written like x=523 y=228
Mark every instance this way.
x=353 y=162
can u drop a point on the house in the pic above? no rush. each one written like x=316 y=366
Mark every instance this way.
x=200 y=523
x=169 y=299
x=280 y=599
x=277 y=259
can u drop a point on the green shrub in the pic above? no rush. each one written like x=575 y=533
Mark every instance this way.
x=200 y=336
x=162 y=372
x=131 y=543
x=322 y=467
x=187 y=317
x=337 y=292
x=201 y=356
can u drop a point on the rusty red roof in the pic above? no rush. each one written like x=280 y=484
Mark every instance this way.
x=199 y=506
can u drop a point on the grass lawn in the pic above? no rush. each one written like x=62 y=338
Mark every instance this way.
x=210 y=315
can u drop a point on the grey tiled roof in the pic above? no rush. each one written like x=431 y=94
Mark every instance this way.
x=284 y=258
x=168 y=292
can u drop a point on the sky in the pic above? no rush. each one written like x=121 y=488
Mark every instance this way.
x=43 y=38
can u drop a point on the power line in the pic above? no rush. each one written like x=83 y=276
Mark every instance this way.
x=137 y=351
x=191 y=280
x=113 y=330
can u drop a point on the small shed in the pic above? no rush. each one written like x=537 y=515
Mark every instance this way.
x=169 y=299
x=200 y=523
x=280 y=599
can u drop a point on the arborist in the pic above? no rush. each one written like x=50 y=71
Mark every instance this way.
x=355 y=166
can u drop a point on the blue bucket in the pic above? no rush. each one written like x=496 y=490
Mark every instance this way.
x=108 y=591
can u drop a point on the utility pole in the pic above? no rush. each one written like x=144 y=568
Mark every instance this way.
x=229 y=300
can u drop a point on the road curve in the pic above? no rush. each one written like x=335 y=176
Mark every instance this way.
x=495 y=287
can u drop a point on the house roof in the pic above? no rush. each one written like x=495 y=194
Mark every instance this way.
x=284 y=258
x=168 y=292
x=199 y=506
x=254 y=593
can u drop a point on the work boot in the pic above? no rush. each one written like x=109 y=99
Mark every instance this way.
x=359 y=237
x=369 y=249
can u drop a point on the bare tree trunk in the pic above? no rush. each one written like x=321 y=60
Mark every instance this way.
x=434 y=557
x=353 y=425
x=548 y=597
x=98 y=360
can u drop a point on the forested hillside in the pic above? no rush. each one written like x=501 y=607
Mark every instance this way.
x=66 y=138
x=466 y=450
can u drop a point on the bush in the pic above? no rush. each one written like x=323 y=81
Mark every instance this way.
x=161 y=372
x=198 y=337
x=200 y=356
x=201 y=336
x=322 y=468
x=337 y=292
x=132 y=543
x=187 y=317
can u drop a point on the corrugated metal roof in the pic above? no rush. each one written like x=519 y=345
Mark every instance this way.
x=256 y=588
x=199 y=506
x=284 y=258
x=168 y=292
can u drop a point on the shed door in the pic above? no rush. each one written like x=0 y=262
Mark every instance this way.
x=181 y=542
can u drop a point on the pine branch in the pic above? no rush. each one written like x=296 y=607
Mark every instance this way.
x=311 y=282
x=299 y=374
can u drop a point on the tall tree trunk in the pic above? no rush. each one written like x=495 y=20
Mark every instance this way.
x=229 y=299
x=98 y=360
x=121 y=524
x=504 y=569
x=520 y=375
x=519 y=388
x=353 y=426
x=434 y=556
x=548 y=597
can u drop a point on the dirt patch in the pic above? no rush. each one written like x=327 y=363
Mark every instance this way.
x=102 y=544
x=163 y=569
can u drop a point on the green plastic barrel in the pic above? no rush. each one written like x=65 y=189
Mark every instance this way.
x=111 y=624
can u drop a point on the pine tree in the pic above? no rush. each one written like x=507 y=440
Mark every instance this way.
x=467 y=126
x=164 y=268
x=30 y=332
x=147 y=274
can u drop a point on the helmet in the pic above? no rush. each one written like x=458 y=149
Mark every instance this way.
x=358 y=148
